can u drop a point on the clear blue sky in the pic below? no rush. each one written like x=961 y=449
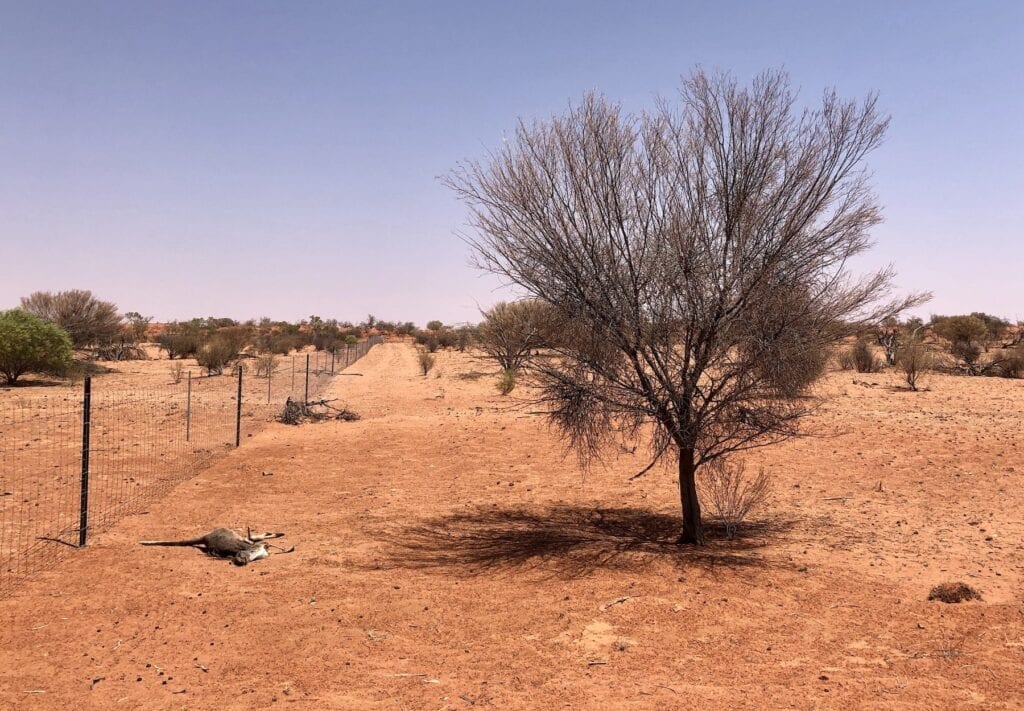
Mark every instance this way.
x=250 y=158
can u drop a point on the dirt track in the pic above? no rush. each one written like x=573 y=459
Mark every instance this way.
x=449 y=557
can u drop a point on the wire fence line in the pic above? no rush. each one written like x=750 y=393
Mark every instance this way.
x=76 y=458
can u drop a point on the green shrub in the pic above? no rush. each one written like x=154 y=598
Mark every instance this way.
x=180 y=341
x=29 y=344
x=447 y=338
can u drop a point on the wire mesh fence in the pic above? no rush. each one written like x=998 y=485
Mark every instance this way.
x=75 y=458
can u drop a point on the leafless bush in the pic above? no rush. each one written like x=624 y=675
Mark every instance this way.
x=732 y=493
x=296 y=412
x=844 y=359
x=86 y=319
x=177 y=371
x=913 y=360
x=1012 y=366
x=864 y=360
x=426 y=362
x=265 y=364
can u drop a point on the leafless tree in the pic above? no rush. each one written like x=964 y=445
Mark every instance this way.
x=88 y=320
x=685 y=248
x=511 y=332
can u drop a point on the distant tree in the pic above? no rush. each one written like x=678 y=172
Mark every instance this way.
x=434 y=325
x=138 y=325
x=217 y=353
x=965 y=337
x=465 y=336
x=86 y=319
x=995 y=327
x=29 y=344
x=511 y=332
x=181 y=340
x=685 y=247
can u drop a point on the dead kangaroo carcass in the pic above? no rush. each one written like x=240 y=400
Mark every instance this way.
x=225 y=543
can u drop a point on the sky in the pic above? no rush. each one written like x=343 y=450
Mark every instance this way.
x=281 y=159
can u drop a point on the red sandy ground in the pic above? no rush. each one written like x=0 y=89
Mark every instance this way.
x=448 y=556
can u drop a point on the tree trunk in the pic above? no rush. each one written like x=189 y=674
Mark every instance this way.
x=693 y=529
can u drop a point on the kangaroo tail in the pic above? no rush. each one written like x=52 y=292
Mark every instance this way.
x=191 y=542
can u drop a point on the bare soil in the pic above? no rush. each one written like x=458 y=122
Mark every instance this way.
x=449 y=556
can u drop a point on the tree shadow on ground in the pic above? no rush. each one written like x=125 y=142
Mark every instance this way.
x=569 y=541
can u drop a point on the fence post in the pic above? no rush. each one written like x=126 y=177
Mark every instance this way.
x=306 y=399
x=293 y=376
x=188 y=409
x=270 y=373
x=238 y=411
x=83 y=510
x=334 y=352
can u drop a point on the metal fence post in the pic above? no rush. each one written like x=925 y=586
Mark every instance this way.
x=334 y=352
x=306 y=399
x=83 y=510
x=238 y=411
x=270 y=373
x=293 y=376
x=188 y=409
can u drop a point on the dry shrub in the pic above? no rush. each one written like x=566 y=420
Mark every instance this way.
x=507 y=383
x=845 y=359
x=265 y=365
x=791 y=368
x=120 y=351
x=216 y=355
x=87 y=320
x=731 y=493
x=177 y=370
x=864 y=360
x=914 y=360
x=296 y=412
x=1013 y=365
x=426 y=362
x=953 y=593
